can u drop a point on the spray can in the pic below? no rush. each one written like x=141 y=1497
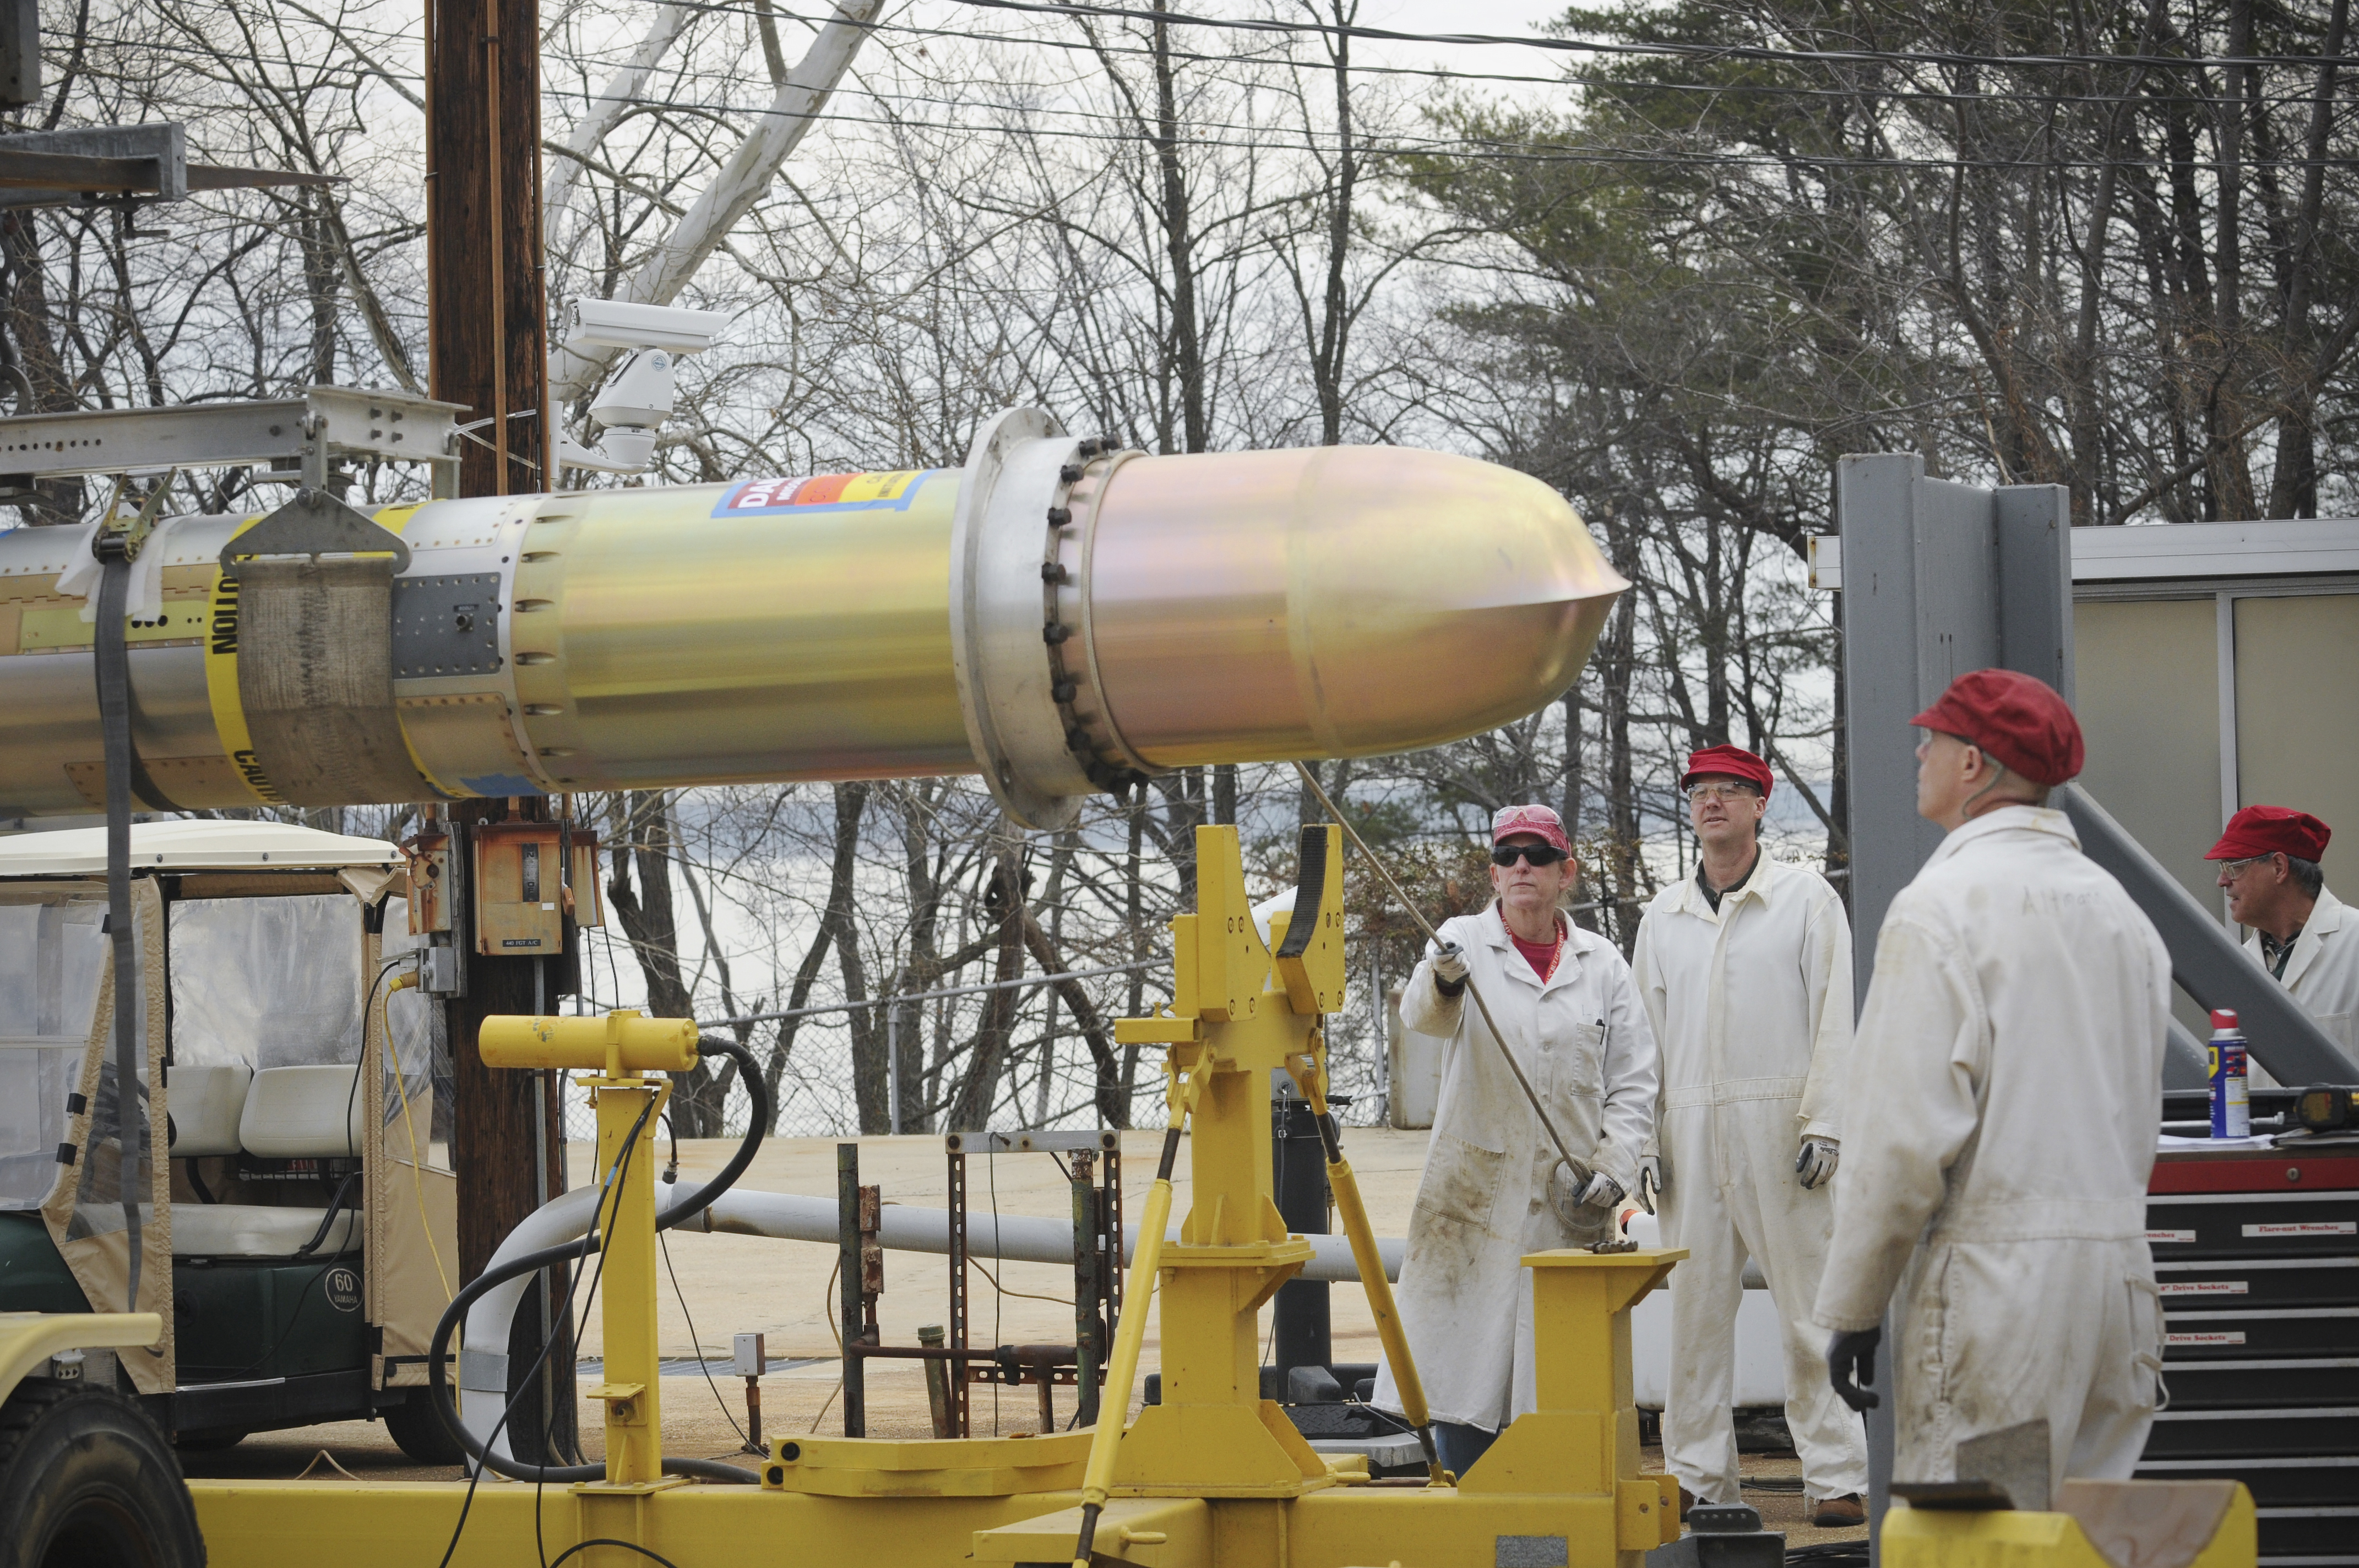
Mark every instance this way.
x=2232 y=1113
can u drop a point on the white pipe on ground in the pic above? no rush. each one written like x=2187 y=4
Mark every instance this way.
x=1018 y=1238
x=788 y=1216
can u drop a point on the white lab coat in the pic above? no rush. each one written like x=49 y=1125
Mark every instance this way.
x=1585 y=1043
x=2323 y=973
x=2003 y=1103
x=1751 y=1006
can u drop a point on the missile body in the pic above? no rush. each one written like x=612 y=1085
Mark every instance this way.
x=1057 y=616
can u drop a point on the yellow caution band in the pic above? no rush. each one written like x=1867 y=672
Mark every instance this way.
x=221 y=683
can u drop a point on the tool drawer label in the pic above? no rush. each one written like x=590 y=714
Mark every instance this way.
x=2304 y=1228
x=2170 y=1236
x=2205 y=1288
x=2225 y=1336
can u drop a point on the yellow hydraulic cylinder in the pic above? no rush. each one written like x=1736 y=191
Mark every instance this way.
x=623 y=1041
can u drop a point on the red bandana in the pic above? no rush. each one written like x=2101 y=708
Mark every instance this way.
x=1542 y=956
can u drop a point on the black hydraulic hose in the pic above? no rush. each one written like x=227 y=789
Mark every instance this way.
x=328 y=1221
x=438 y=1387
x=757 y=1122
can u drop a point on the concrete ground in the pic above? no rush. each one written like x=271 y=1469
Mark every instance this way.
x=733 y=1284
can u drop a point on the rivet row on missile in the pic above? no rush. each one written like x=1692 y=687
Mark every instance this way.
x=1058 y=615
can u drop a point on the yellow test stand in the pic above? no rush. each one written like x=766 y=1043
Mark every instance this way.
x=1213 y=1475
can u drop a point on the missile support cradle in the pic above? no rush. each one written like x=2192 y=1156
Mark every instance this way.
x=1213 y=1475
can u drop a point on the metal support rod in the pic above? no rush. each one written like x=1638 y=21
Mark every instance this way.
x=539 y=1078
x=1089 y=1237
x=961 y=1391
x=847 y=1198
x=1130 y=1335
x=893 y=1068
x=1579 y=1168
x=1310 y=1075
x=1097 y=1480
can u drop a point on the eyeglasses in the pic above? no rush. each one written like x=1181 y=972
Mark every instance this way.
x=1723 y=792
x=1534 y=854
x=2231 y=869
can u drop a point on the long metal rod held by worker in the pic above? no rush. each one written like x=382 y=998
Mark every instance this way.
x=1581 y=1173
x=1130 y=1335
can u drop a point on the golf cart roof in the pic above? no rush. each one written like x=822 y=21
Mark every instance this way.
x=202 y=844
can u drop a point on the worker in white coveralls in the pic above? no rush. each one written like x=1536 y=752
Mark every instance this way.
x=1746 y=973
x=2302 y=934
x=1494 y=1187
x=2004 y=1102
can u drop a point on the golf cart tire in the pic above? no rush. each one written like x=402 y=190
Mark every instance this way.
x=88 y=1481
x=417 y=1431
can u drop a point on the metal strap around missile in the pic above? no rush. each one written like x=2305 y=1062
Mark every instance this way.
x=315 y=653
x=114 y=714
x=1581 y=1173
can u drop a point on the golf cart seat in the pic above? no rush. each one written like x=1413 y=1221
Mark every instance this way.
x=258 y=1231
x=303 y=1113
x=207 y=1104
x=279 y=1113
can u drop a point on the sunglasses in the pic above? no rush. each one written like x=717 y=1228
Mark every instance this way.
x=1536 y=854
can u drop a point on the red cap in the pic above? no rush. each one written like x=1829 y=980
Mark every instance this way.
x=1510 y=820
x=2271 y=830
x=1728 y=761
x=2224 y=1018
x=2018 y=718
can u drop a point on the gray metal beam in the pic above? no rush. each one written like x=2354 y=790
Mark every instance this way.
x=324 y=423
x=152 y=159
x=2206 y=961
x=2034 y=581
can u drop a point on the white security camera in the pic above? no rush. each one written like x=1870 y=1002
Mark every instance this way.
x=637 y=398
x=619 y=324
x=640 y=397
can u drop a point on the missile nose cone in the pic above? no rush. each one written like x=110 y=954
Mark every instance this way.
x=1334 y=601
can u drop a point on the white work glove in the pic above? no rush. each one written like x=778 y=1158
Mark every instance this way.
x=1651 y=1184
x=1603 y=1192
x=1816 y=1164
x=1450 y=965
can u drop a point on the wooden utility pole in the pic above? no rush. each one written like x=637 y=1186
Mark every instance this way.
x=487 y=332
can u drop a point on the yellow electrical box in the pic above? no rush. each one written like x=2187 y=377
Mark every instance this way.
x=519 y=893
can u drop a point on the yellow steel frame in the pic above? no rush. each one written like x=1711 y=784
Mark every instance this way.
x=1214 y=1475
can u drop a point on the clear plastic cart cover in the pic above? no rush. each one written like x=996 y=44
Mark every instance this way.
x=411 y=1059
x=52 y=959
x=271 y=982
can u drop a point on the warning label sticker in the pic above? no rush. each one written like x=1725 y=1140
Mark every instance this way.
x=2228 y=1336
x=2170 y=1236
x=825 y=492
x=2306 y=1228
x=2205 y=1288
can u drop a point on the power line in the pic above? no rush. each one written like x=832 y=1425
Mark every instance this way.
x=1653 y=50
x=1589 y=81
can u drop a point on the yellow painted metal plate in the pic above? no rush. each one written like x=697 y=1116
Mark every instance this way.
x=926 y=1468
